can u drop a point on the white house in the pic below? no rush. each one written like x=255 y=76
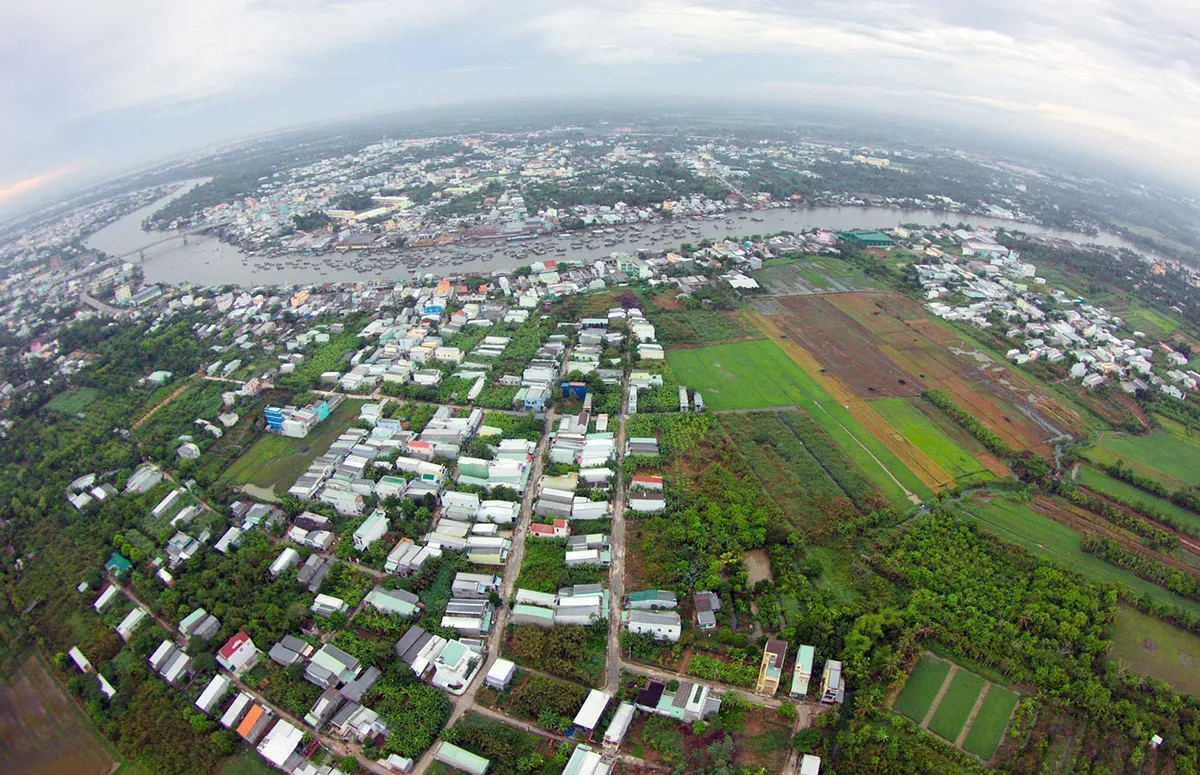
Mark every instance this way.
x=371 y=530
x=661 y=626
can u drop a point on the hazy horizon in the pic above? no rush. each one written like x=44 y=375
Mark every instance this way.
x=100 y=91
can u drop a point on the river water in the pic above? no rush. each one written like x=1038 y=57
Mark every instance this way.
x=205 y=260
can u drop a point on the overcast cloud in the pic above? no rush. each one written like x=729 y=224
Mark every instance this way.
x=90 y=88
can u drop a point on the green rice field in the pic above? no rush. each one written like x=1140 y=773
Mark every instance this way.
x=719 y=373
x=1166 y=455
x=1150 y=646
x=987 y=728
x=951 y=714
x=915 y=426
x=72 y=401
x=1015 y=522
x=1151 y=321
x=723 y=374
x=921 y=688
x=1115 y=488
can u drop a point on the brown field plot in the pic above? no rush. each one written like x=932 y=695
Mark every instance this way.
x=845 y=348
x=929 y=473
x=41 y=733
x=1023 y=416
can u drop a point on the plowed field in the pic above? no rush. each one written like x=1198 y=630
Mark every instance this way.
x=845 y=348
x=1023 y=416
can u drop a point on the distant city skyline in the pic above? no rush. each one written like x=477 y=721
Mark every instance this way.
x=97 y=89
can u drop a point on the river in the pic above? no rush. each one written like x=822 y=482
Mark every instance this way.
x=205 y=260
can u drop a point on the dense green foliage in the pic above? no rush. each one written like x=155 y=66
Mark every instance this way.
x=572 y=652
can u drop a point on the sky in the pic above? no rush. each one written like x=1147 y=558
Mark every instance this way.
x=91 y=89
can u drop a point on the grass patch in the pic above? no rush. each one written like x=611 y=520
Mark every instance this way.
x=276 y=462
x=743 y=375
x=544 y=567
x=1015 y=522
x=1115 y=488
x=758 y=374
x=1168 y=456
x=956 y=704
x=248 y=763
x=922 y=686
x=1155 y=324
x=1149 y=646
x=72 y=401
x=702 y=327
x=915 y=426
x=990 y=722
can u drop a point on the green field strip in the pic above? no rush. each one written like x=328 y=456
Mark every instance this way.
x=912 y=423
x=951 y=714
x=921 y=688
x=990 y=723
x=1112 y=487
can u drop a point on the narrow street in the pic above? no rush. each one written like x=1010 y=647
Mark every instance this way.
x=512 y=569
x=616 y=579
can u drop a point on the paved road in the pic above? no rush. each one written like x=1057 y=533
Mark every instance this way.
x=512 y=569
x=616 y=578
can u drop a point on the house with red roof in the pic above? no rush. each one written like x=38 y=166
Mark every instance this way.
x=649 y=483
x=238 y=653
x=558 y=529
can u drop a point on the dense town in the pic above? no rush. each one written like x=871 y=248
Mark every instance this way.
x=657 y=511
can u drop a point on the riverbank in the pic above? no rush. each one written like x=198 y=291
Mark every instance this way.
x=205 y=260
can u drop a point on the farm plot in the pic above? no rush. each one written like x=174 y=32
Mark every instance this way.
x=73 y=401
x=844 y=348
x=922 y=688
x=745 y=375
x=795 y=479
x=1150 y=646
x=990 y=722
x=1111 y=487
x=956 y=704
x=274 y=462
x=813 y=274
x=1041 y=535
x=837 y=405
x=950 y=715
x=1166 y=455
x=701 y=327
x=1024 y=417
x=42 y=732
x=917 y=427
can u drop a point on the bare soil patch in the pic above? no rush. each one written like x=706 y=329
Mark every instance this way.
x=845 y=349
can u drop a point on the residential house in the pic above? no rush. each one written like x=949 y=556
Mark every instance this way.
x=238 y=653
x=707 y=604
x=213 y=693
x=592 y=709
x=460 y=758
x=289 y=650
x=327 y=605
x=398 y=602
x=130 y=623
x=500 y=675
x=651 y=599
x=771 y=668
x=619 y=724
x=660 y=626
x=833 y=683
x=371 y=530
x=802 y=672
x=585 y=761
